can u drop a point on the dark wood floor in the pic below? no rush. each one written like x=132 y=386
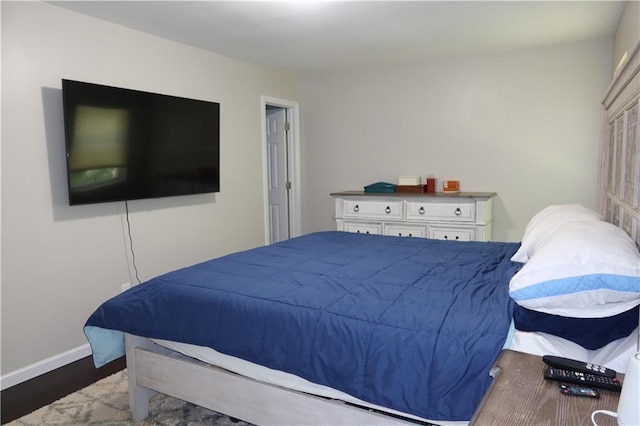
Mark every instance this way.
x=28 y=396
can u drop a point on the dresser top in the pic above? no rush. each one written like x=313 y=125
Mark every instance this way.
x=476 y=195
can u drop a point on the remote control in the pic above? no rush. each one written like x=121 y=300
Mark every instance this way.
x=577 y=390
x=575 y=365
x=591 y=380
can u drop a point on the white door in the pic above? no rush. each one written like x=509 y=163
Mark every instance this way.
x=277 y=173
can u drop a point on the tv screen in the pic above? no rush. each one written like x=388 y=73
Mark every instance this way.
x=124 y=144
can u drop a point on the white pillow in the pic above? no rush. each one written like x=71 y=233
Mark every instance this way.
x=584 y=269
x=545 y=222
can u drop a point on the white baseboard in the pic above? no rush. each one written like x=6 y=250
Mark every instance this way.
x=44 y=366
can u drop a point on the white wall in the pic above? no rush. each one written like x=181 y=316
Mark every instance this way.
x=628 y=33
x=524 y=124
x=60 y=262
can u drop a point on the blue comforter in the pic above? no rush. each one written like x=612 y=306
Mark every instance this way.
x=407 y=323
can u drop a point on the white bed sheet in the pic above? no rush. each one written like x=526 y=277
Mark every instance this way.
x=615 y=355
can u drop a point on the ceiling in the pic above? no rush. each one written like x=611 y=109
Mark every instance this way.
x=310 y=36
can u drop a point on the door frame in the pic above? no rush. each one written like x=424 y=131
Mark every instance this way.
x=293 y=115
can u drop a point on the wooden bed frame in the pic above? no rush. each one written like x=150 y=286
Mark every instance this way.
x=153 y=368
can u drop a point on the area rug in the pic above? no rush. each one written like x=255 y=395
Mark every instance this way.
x=106 y=402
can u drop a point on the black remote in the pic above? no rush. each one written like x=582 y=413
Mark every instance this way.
x=590 y=380
x=575 y=365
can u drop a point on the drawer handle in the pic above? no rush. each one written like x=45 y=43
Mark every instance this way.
x=408 y=235
x=458 y=212
x=356 y=208
x=387 y=210
x=421 y=210
x=457 y=237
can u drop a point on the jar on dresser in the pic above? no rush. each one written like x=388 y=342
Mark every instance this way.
x=462 y=216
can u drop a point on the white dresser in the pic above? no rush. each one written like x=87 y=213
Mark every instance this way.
x=465 y=216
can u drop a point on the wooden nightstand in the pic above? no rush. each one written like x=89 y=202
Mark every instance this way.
x=519 y=395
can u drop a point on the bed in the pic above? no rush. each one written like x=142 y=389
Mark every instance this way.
x=338 y=328
x=387 y=320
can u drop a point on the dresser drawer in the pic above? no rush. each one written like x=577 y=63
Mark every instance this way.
x=455 y=212
x=363 y=228
x=402 y=230
x=452 y=234
x=391 y=209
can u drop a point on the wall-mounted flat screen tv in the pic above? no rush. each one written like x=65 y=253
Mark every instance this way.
x=124 y=144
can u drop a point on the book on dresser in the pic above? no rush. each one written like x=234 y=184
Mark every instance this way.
x=462 y=216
